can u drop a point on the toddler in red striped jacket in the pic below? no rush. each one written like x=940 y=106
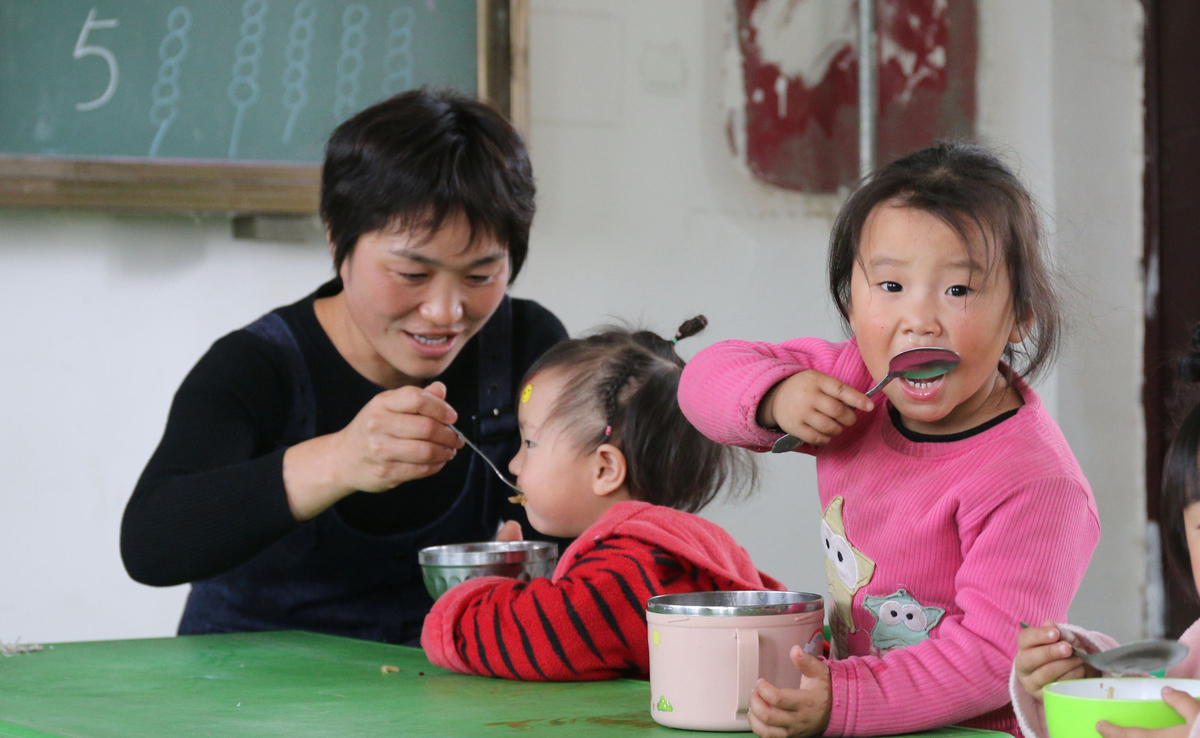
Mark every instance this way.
x=607 y=458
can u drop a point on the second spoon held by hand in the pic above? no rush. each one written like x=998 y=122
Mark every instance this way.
x=926 y=362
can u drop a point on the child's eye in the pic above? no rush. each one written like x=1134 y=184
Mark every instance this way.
x=528 y=443
x=411 y=276
x=891 y=286
x=959 y=290
x=480 y=279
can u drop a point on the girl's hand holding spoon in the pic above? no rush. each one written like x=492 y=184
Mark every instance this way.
x=812 y=407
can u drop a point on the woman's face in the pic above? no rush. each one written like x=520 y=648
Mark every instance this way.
x=413 y=301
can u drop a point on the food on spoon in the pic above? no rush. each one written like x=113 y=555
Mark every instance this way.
x=518 y=499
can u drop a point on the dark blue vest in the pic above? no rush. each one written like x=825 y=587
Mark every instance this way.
x=328 y=577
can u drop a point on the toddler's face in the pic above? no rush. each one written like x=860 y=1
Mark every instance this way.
x=917 y=284
x=554 y=475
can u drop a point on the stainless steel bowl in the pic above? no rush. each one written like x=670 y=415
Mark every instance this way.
x=445 y=566
x=735 y=603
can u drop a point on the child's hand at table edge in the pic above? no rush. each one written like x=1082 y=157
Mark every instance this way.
x=812 y=406
x=1045 y=655
x=1182 y=702
x=778 y=713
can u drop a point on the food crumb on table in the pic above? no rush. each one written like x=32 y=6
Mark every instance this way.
x=386 y=668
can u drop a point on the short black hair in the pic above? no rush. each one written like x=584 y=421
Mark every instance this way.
x=973 y=192
x=419 y=158
x=621 y=387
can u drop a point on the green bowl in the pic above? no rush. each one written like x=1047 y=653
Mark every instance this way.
x=1074 y=707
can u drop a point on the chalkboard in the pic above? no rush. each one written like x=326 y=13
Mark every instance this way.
x=218 y=93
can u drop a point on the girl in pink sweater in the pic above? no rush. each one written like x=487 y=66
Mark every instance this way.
x=1046 y=654
x=953 y=507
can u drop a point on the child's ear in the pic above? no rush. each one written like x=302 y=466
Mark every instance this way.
x=1021 y=328
x=608 y=470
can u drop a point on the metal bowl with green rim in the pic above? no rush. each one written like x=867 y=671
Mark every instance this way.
x=737 y=603
x=1074 y=707
x=442 y=567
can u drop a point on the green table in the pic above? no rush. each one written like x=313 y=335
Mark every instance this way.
x=300 y=684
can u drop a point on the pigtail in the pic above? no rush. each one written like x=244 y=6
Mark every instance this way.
x=625 y=367
x=690 y=327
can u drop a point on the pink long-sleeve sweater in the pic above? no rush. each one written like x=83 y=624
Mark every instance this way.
x=935 y=550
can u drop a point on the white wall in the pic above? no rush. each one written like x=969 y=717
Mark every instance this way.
x=644 y=215
x=1098 y=154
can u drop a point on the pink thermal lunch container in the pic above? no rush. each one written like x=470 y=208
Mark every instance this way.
x=708 y=650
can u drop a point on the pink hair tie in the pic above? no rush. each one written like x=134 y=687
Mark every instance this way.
x=607 y=431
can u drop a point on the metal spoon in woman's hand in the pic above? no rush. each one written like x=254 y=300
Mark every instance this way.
x=915 y=363
x=485 y=458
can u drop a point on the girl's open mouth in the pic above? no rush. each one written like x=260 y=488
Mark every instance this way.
x=922 y=389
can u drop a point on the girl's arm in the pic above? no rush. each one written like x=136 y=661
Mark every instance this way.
x=589 y=624
x=1023 y=561
x=722 y=386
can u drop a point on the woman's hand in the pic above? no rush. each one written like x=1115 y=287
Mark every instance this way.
x=1046 y=655
x=400 y=435
x=812 y=406
x=1182 y=702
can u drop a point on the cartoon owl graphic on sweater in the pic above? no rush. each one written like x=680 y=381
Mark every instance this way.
x=900 y=621
x=847 y=570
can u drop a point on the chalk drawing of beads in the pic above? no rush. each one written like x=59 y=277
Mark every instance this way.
x=296 y=55
x=171 y=51
x=398 y=59
x=350 y=63
x=243 y=88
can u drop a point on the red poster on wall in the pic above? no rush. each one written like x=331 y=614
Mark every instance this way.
x=793 y=112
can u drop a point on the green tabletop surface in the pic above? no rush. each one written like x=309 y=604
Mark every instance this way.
x=293 y=683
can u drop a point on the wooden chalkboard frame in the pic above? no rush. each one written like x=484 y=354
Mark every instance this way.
x=140 y=184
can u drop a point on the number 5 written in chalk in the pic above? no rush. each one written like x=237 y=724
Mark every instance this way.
x=89 y=25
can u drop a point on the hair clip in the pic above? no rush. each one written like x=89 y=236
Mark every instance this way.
x=607 y=431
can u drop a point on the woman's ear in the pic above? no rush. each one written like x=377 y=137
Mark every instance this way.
x=608 y=470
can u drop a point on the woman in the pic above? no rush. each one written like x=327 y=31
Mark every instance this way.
x=307 y=458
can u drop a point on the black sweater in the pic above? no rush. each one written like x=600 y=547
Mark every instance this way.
x=212 y=495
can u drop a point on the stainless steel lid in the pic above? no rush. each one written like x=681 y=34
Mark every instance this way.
x=735 y=604
x=488 y=552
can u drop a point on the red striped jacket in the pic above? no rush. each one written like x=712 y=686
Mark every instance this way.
x=588 y=620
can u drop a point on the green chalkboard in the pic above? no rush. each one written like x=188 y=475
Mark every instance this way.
x=259 y=80
x=204 y=97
